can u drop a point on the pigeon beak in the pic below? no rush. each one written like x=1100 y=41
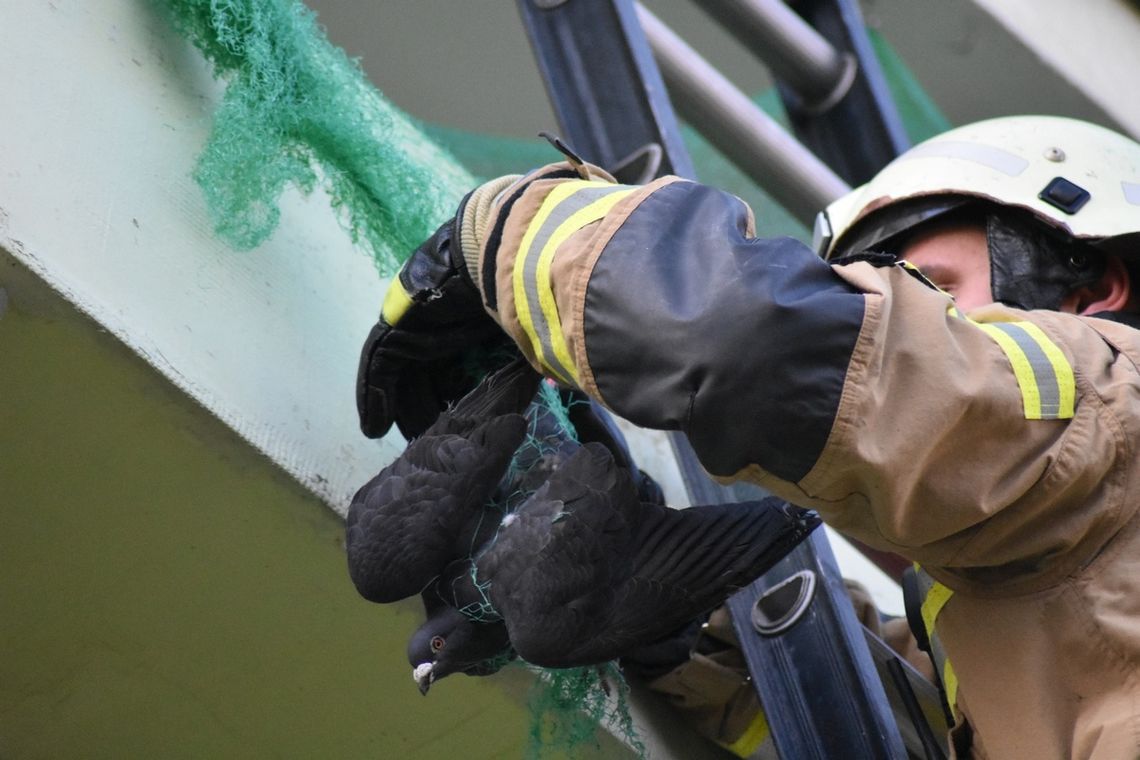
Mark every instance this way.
x=423 y=676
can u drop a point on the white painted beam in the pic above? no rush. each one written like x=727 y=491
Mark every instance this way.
x=105 y=112
x=1094 y=44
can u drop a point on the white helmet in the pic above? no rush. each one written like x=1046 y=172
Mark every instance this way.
x=1078 y=178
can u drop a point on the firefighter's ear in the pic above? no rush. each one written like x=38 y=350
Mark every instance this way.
x=1112 y=292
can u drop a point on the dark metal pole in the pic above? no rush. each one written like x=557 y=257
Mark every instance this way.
x=822 y=693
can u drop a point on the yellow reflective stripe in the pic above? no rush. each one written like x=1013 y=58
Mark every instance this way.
x=934 y=598
x=933 y=603
x=756 y=734
x=537 y=319
x=918 y=274
x=518 y=280
x=1044 y=376
x=950 y=684
x=1062 y=370
x=577 y=221
x=1022 y=370
x=396 y=302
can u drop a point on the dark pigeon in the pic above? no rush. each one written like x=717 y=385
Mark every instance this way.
x=423 y=510
x=522 y=542
x=585 y=571
x=462 y=632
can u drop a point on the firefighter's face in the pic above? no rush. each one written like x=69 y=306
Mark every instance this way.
x=957 y=259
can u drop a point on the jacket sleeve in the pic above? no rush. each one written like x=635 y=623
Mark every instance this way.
x=855 y=390
x=659 y=302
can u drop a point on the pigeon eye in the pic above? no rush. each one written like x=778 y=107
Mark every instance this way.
x=437 y=643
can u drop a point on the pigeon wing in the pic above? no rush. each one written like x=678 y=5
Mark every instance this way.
x=587 y=572
x=404 y=525
x=423 y=510
x=687 y=561
x=506 y=391
x=557 y=563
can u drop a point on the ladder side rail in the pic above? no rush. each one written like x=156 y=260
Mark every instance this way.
x=605 y=88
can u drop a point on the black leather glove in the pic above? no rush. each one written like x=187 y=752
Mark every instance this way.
x=432 y=343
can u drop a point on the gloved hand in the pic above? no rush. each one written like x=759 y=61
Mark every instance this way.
x=432 y=343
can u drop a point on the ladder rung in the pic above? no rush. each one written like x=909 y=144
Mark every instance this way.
x=795 y=52
x=763 y=149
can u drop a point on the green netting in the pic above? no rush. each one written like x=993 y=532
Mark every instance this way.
x=569 y=706
x=298 y=112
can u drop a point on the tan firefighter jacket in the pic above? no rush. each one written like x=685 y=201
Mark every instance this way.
x=997 y=449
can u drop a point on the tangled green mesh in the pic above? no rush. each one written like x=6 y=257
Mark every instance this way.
x=298 y=112
x=569 y=705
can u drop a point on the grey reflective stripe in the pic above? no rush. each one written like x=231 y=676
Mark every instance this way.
x=560 y=214
x=1131 y=192
x=926 y=584
x=986 y=155
x=1044 y=374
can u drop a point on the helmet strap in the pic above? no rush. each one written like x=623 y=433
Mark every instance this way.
x=1033 y=268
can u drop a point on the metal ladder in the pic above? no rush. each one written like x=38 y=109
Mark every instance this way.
x=828 y=687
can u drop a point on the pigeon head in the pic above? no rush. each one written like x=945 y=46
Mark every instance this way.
x=450 y=642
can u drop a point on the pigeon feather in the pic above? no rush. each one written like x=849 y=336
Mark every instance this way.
x=422 y=511
x=586 y=571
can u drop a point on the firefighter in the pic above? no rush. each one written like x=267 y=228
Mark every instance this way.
x=956 y=380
